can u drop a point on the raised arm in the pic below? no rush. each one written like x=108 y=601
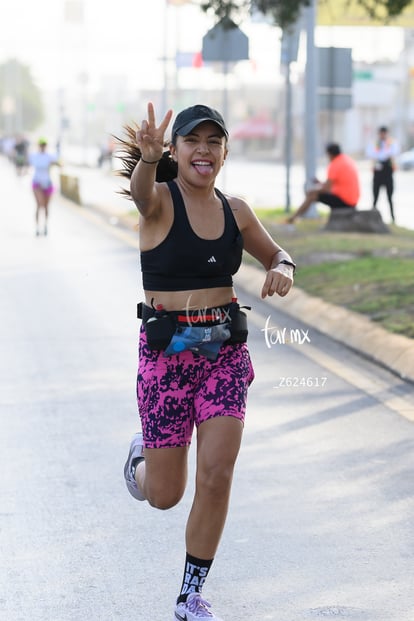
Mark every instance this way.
x=150 y=140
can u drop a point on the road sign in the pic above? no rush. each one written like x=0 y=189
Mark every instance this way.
x=363 y=74
x=335 y=78
x=225 y=42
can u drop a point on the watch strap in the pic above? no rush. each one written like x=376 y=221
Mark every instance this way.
x=286 y=262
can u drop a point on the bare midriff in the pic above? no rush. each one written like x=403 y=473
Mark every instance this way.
x=198 y=298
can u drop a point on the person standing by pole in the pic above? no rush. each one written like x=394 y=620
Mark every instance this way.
x=383 y=152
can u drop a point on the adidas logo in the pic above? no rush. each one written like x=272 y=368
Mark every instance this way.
x=212 y=259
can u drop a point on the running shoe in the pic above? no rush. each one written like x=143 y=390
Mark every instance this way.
x=194 y=609
x=135 y=456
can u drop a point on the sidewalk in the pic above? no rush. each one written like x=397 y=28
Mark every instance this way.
x=394 y=352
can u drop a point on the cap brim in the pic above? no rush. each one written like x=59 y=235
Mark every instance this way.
x=188 y=127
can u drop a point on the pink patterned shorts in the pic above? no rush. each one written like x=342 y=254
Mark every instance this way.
x=179 y=391
x=48 y=190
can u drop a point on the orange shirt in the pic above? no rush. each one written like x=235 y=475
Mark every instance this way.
x=343 y=175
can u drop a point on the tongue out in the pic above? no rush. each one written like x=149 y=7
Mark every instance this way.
x=203 y=169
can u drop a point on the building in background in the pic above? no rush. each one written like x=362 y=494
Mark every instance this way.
x=96 y=74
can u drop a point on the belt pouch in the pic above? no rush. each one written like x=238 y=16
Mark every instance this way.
x=159 y=331
x=238 y=327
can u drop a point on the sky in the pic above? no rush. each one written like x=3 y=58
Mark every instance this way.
x=130 y=37
x=113 y=35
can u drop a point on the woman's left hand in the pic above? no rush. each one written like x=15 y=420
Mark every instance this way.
x=278 y=280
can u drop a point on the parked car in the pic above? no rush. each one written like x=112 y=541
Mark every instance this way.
x=405 y=160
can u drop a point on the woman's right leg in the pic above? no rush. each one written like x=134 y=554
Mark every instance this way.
x=164 y=394
x=47 y=196
x=162 y=476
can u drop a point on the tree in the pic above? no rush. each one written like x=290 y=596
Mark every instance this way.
x=285 y=13
x=21 y=107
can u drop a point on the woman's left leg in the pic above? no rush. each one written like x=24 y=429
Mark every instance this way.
x=48 y=194
x=218 y=444
x=220 y=408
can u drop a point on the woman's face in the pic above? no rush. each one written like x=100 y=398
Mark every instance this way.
x=202 y=152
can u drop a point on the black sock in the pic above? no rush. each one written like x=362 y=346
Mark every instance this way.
x=195 y=574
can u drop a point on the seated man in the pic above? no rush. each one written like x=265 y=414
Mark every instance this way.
x=341 y=188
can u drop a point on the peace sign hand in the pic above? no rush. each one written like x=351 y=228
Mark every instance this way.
x=150 y=138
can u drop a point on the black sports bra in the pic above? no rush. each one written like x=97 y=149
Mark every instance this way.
x=184 y=261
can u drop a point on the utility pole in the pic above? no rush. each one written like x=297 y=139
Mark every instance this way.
x=310 y=100
x=288 y=135
x=289 y=53
x=164 y=94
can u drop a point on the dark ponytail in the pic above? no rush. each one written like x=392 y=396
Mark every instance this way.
x=129 y=154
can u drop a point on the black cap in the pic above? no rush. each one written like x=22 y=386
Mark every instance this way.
x=189 y=118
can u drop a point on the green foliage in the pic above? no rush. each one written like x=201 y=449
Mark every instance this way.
x=370 y=274
x=284 y=13
x=22 y=106
x=393 y=8
x=223 y=9
x=380 y=288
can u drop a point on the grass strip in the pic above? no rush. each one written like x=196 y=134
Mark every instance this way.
x=367 y=273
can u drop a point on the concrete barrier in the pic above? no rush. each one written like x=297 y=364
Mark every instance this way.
x=351 y=220
x=69 y=188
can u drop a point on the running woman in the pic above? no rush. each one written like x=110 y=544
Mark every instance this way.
x=194 y=364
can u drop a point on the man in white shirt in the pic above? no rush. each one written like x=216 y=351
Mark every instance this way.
x=383 y=152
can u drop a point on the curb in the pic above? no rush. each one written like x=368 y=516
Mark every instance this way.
x=357 y=332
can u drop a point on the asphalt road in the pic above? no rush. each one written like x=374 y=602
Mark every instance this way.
x=321 y=519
